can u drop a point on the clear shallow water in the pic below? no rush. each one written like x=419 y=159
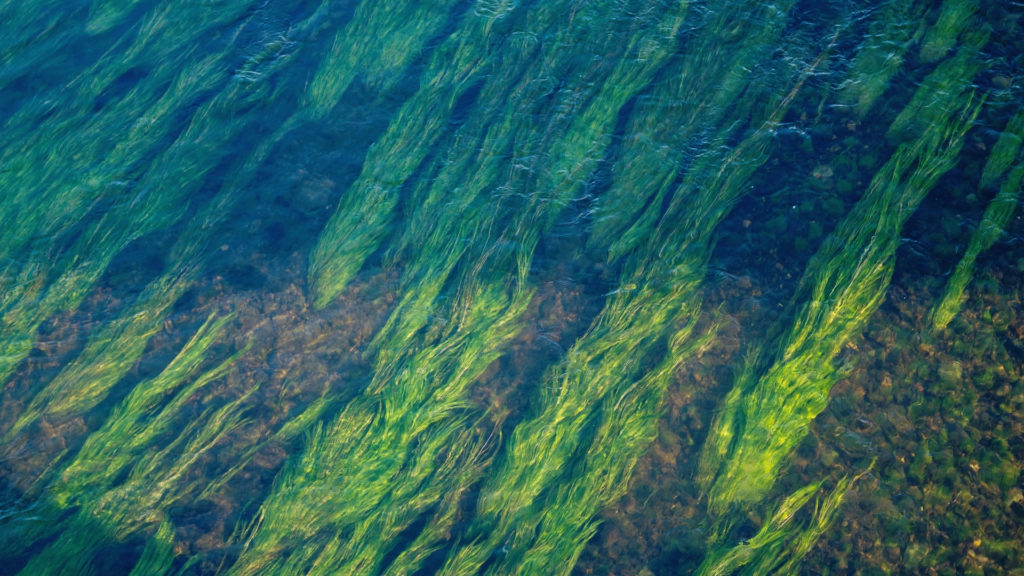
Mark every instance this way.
x=484 y=287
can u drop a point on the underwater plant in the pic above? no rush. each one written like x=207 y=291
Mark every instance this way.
x=346 y=223
x=782 y=388
x=135 y=168
x=128 y=473
x=993 y=221
x=422 y=377
x=599 y=407
x=366 y=212
x=174 y=138
x=954 y=18
x=897 y=27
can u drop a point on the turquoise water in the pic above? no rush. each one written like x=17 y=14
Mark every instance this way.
x=499 y=287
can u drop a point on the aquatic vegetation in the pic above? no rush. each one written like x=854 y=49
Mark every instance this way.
x=114 y=188
x=158 y=555
x=98 y=221
x=133 y=435
x=111 y=351
x=768 y=544
x=780 y=544
x=144 y=416
x=599 y=407
x=954 y=17
x=157 y=481
x=654 y=150
x=484 y=312
x=85 y=382
x=375 y=46
x=129 y=473
x=780 y=390
x=1004 y=152
x=993 y=222
x=415 y=288
x=930 y=102
x=387 y=459
x=882 y=53
x=27 y=301
x=366 y=212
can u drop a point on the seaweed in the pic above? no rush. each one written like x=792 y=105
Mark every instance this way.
x=993 y=221
x=616 y=138
x=785 y=385
x=459 y=269
x=600 y=406
x=879 y=58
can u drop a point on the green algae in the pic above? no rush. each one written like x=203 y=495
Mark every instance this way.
x=780 y=391
x=651 y=154
x=882 y=54
x=512 y=116
x=400 y=33
x=143 y=417
x=761 y=424
x=993 y=221
x=599 y=409
x=91 y=164
x=158 y=555
x=362 y=219
x=482 y=318
x=116 y=498
x=954 y=17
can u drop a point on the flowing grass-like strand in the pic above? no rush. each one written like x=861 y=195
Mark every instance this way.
x=366 y=212
x=531 y=517
x=880 y=56
x=954 y=17
x=781 y=391
x=994 y=221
